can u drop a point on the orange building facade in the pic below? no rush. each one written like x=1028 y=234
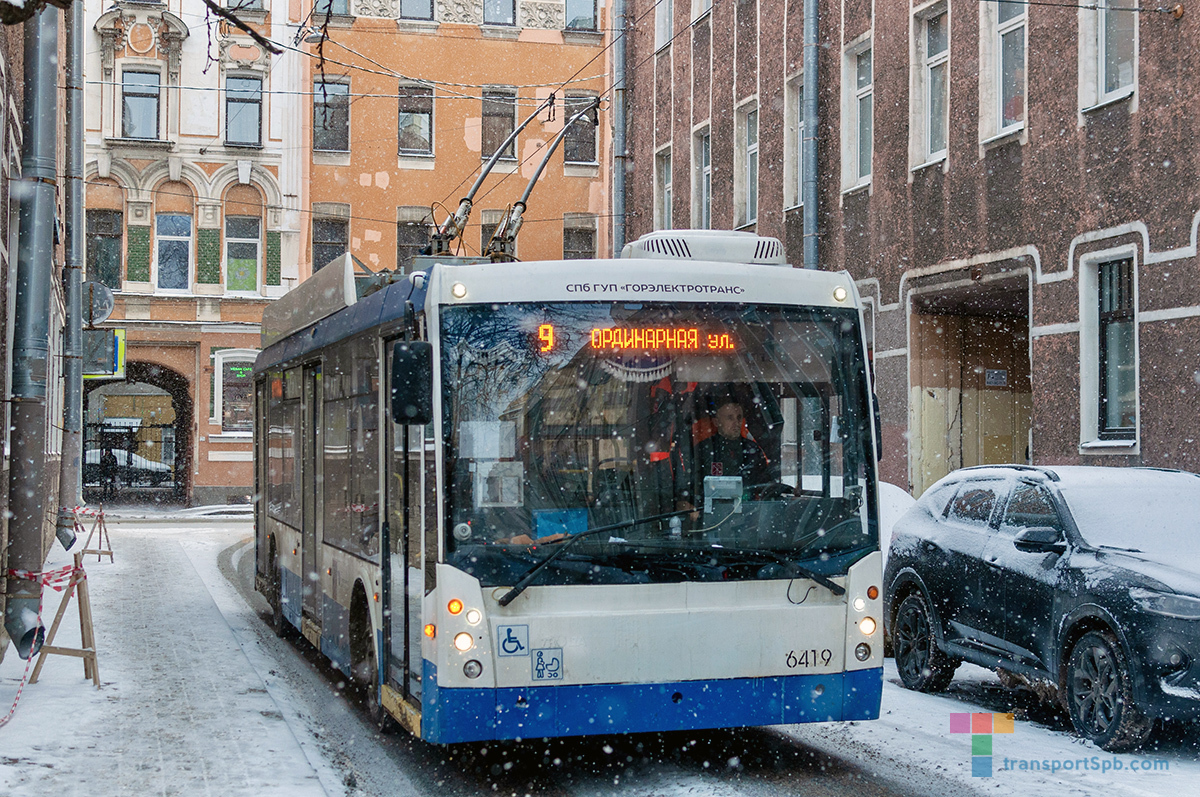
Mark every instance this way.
x=405 y=112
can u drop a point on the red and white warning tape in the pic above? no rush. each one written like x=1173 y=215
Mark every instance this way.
x=86 y=511
x=58 y=580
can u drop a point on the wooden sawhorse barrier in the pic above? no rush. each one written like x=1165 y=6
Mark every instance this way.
x=87 y=633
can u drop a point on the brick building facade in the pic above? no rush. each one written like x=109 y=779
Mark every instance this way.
x=1014 y=189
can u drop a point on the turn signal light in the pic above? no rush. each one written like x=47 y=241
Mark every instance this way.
x=430 y=630
x=867 y=626
x=872 y=592
x=455 y=606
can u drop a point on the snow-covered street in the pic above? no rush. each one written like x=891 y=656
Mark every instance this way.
x=198 y=697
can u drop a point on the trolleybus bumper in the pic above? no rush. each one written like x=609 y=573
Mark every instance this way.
x=466 y=715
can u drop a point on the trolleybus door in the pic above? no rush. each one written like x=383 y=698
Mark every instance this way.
x=405 y=572
x=311 y=460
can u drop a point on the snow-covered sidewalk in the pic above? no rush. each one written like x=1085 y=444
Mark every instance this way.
x=185 y=706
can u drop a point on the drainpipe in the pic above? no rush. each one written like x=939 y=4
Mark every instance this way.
x=31 y=330
x=811 y=50
x=619 y=153
x=69 y=472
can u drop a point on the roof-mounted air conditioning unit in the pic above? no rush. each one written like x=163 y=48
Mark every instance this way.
x=723 y=246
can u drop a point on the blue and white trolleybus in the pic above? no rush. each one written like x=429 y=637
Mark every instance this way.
x=541 y=499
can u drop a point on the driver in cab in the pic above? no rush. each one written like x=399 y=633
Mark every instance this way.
x=728 y=452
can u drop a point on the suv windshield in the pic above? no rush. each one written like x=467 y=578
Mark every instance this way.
x=747 y=423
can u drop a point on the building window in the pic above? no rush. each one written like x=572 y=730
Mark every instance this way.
x=703 y=191
x=499 y=12
x=104 y=233
x=581 y=14
x=863 y=114
x=411 y=238
x=664 y=22
x=241 y=253
x=173 y=233
x=1117 y=27
x=1118 y=351
x=794 y=152
x=323 y=8
x=331 y=116
x=244 y=5
x=416 y=9
x=330 y=239
x=579 y=145
x=243 y=111
x=662 y=182
x=499 y=121
x=1010 y=45
x=416 y=120
x=579 y=237
x=700 y=8
x=139 y=104
x=745 y=177
x=935 y=53
x=233 y=390
x=489 y=223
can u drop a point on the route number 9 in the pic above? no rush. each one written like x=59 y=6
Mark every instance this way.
x=546 y=336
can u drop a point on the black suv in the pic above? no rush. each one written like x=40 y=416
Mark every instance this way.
x=1082 y=579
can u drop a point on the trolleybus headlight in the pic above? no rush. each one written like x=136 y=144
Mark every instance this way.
x=839 y=294
x=464 y=641
x=859 y=604
x=458 y=290
x=473 y=616
x=455 y=606
x=472 y=669
x=862 y=651
x=867 y=626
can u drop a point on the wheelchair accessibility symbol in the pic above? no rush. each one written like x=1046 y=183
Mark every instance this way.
x=547 y=664
x=512 y=640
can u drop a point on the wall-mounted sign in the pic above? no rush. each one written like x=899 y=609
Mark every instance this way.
x=995 y=377
x=103 y=354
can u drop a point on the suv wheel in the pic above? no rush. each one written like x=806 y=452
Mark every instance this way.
x=1100 y=695
x=922 y=665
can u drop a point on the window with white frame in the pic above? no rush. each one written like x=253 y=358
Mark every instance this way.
x=1108 y=47
x=1117 y=344
x=499 y=121
x=751 y=127
x=331 y=116
x=173 y=239
x=664 y=23
x=416 y=120
x=416 y=9
x=702 y=192
x=581 y=14
x=499 y=12
x=139 y=104
x=243 y=111
x=700 y=8
x=1010 y=66
x=662 y=192
x=242 y=253
x=858 y=102
x=794 y=145
x=233 y=390
x=322 y=8
x=1108 y=350
x=745 y=173
x=579 y=144
x=934 y=47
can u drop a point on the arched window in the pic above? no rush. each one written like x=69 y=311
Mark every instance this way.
x=174 y=232
x=243 y=238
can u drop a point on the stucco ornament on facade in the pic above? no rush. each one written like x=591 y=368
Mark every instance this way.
x=141 y=32
x=548 y=16
x=376 y=8
x=463 y=12
x=241 y=51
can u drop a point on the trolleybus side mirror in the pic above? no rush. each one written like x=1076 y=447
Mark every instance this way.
x=412 y=382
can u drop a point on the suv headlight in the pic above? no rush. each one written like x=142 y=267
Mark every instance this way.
x=1184 y=607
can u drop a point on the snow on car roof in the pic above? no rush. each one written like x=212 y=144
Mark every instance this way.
x=1083 y=476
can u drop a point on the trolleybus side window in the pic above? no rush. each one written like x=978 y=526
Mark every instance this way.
x=283 y=446
x=351 y=473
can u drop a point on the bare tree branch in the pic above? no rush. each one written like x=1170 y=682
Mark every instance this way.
x=232 y=19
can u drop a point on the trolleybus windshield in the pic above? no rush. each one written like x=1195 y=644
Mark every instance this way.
x=722 y=440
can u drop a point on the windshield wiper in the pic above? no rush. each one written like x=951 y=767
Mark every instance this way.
x=530 y=574
x=1119 y=548
x=796 y=569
